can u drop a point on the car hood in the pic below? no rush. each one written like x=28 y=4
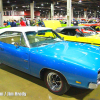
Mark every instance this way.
x=54 y=24
x=79 y=53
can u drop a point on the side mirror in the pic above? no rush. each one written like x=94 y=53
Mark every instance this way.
x=62 y=38
x=16 y=44
x=77 y=36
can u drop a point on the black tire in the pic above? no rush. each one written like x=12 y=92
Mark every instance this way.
x=98 y=79
x=56 y=83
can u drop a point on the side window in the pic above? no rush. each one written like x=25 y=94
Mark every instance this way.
x=12 y=37
x=70 y=32
x=3 y=36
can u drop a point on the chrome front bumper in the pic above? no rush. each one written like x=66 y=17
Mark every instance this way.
x=92 y=86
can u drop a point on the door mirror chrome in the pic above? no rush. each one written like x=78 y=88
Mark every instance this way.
x=62 y=38
x=16 y=44
x=77 y=36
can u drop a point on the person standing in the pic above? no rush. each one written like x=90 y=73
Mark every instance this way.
x=22 y=23
x=28 y=22
x=75 y=22
x=13 y=23
x=42 y=23
x=39 y=23
x=31 y=22
x=8 y=22
x=34 y=22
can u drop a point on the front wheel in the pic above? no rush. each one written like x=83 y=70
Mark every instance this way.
x=98 y=79
x=56 y=83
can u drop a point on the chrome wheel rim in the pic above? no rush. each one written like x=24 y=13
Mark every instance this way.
x=54 y=81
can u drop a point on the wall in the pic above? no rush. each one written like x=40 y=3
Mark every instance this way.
x=18 y=15
x=10 y=17
x=27 y=13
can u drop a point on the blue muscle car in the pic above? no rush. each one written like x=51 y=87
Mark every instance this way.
x=42 y=53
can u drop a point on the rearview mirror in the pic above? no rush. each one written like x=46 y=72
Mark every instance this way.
x=62 y=32
x=41 y=33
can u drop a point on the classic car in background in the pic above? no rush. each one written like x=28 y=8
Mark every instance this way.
x=41 y=52
x=79 y=34
x=54 y=24
x=94 y=26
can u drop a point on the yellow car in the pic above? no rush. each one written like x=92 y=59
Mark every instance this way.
x=83 y=34
x=54 y=24
x=79 y=34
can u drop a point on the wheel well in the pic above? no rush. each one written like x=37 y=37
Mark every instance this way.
x=43 y=71
x=98 y=72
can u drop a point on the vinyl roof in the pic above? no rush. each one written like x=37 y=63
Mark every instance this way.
x=23 y=29
x=69 y=27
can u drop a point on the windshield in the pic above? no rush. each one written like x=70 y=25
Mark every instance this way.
x=97 y=28
x=42 y=37
x=87 y=31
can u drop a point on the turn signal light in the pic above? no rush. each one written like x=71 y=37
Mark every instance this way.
x=78 y=82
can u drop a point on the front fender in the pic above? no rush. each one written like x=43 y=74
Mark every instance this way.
x=70 y=70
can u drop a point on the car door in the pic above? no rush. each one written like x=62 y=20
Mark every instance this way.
x=14 y=56
x=94 y=40
x=81 y=39
x=1 y=52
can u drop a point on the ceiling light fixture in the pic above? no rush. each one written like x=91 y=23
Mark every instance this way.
x=23 y=6
x=28 y=6
x=8 y=1
x=42 y=4
x=38 y=7
x=80 y=1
